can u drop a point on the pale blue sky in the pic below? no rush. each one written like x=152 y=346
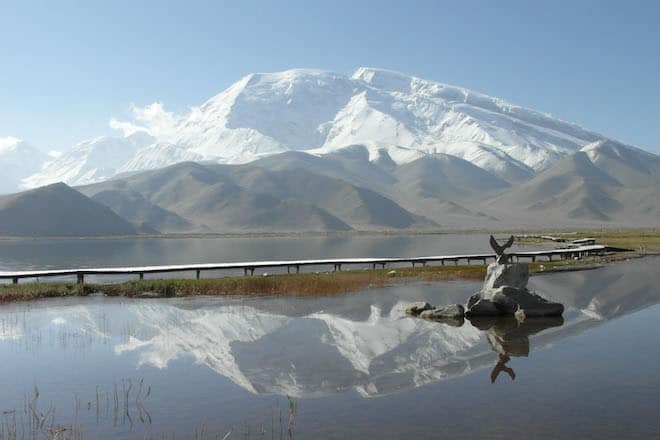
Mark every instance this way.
x=67 y=67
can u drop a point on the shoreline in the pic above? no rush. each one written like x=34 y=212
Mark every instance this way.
x=303 y=284
x=572 y=232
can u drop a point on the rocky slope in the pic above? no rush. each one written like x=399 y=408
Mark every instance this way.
x=605 y=182
x=224 y=198
x=57 y=211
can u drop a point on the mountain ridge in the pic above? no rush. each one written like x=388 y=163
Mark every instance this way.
x=58 y=210
x=602 y=185
x=593 y=184
x=312 y=150
x=318 y=111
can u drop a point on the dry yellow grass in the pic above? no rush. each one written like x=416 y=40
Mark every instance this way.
x=286 y=284
x=641 y=241
x=637 y=240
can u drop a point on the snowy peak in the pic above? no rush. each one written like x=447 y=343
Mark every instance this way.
x=392 y=114
x=613 y=149
x=17 y=160
x=158 y=155
x=387 y=80
x=87 y=162
x=304 y=109
x=631 y=166
x=290 y=107
x=140 y=139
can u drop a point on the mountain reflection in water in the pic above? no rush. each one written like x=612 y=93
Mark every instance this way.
x=305 y=347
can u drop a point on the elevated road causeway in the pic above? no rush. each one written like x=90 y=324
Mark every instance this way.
x=249 y=267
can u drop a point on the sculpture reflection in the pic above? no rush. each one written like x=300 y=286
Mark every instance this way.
x=508 y=337
x=501 y=366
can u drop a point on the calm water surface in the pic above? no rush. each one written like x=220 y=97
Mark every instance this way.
x=134 y=252
x=354 y=365
x=68 y=253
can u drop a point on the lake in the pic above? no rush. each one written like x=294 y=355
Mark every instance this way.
x=22 y=254
x=62 y=253
x=346 y=366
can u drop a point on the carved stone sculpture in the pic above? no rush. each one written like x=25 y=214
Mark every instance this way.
x=505 y=292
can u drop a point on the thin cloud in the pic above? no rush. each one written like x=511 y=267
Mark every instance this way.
x=152 y=118
x=8 y=143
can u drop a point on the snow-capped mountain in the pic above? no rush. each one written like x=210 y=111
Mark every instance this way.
x=17 y=160
x=158 y=155
x=89 y=161
x=320 y=112
x=407 y=116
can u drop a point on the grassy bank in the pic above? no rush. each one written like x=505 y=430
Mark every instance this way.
x=638 y=240
x=642 y=242
x=326 y=283
x=284 y=284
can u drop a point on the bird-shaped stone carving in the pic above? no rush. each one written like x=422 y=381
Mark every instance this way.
x=502 y=258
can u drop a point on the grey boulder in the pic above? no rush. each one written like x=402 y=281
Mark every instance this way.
x=416 y=308
x=452 y=311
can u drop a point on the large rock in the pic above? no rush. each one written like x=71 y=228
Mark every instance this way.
x=512 y=274
x=416 y=308
x=507 y=301
x=451 y=315
x=505 y=292
x=452 y=311
x=478 y=306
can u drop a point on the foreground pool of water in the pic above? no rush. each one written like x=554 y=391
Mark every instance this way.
x=353 y=365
